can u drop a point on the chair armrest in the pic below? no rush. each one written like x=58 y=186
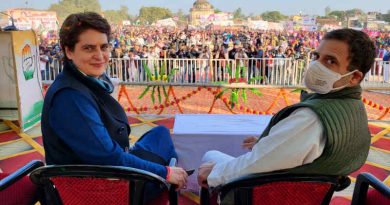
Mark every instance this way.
x=344 y=182
x=173 y=195
x=20 y=173
x=364 y=180
x=251 y=178
x=376 y=183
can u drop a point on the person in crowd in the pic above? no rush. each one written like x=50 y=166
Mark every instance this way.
x=289 y=54
x=279 y=64
x=204 y=65
x=387 y=54
x=269 y=64
x=241 y=59
x=232 y=52
x=301 y=54
x=386 y=65
x=327 y=133
x=83 y=124
x=43 y=63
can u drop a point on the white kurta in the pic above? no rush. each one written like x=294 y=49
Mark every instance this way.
x=296 y=140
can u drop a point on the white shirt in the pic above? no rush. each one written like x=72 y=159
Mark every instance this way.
x=296 y=140
x=43 y=60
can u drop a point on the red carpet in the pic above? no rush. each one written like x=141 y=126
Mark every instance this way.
x=15 y=154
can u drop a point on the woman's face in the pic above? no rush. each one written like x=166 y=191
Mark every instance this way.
x=91 y=53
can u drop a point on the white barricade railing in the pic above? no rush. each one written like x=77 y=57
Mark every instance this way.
x=255 y=71
x=379 y=75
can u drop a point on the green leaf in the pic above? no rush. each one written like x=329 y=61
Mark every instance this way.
x=159 y=94
x=256 y=92
x=234 y=98
x=229 y=70
x=243 y=95
x=298 y=90
x=162 y=70
x=172 y=72
x=237 y=74
x=144 y=92
x=244 y=71
x=155 y=71
x=221 y=93
x=165 y=91
x=152 y=94
x=221 y=82
x=255 y=79
x=147 y=70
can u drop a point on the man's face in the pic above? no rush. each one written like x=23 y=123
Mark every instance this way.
x=334 y=55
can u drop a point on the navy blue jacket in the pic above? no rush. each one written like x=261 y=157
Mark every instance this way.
x=83 y=124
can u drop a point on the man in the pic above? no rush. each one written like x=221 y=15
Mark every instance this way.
x=232 y=53
x=43 y=61
x=386 y=56
x=386 y=65
x=327 y=133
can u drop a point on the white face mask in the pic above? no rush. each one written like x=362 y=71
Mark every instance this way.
x=320 y=79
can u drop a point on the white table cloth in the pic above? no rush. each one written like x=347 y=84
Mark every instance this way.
x=195 y=134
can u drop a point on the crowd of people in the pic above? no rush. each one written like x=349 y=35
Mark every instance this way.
x=137 y=43
x=153 y=42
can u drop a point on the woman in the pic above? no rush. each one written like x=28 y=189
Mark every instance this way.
x=82 y=123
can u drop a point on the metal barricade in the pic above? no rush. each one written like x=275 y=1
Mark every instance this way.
x=287 y=72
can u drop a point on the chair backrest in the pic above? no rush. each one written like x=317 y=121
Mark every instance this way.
x=378 y=194
x=282 y=188
x=94 y=184
x=16 y=188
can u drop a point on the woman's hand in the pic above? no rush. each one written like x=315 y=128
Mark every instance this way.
x=249 y=142
x=178 y=176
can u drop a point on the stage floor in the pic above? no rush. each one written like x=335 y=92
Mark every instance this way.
x=18 y=149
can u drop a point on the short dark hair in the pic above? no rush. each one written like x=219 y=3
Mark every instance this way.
x=361 y=48
x=77 y=23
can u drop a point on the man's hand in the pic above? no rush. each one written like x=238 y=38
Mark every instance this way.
x=178 y=176
x=203 y=172
x=249 y=142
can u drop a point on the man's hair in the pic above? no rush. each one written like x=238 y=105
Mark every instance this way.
x=361 y=49
x=77 y=23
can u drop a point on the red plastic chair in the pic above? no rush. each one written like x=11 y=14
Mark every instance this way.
x=98 y=185
x=277 y=188
x=362 y=195
x=16 y=188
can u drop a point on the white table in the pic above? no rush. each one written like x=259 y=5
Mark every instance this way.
x=195 y=134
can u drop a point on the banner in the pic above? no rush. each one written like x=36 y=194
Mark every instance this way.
x=126 y=23
x=304 y=23
x=37 y=20
x=8 y=100
x=166 y=22
x=275 y=26
x=308 y=20
x=262 y=25
x=29 y=93
x=216 y=17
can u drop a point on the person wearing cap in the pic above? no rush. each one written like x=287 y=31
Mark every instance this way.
x=232 y=53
